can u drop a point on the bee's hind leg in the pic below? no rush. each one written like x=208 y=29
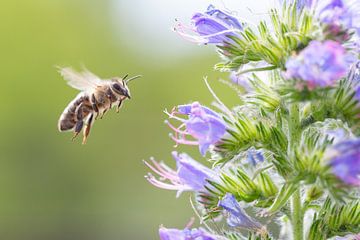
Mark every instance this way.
x=79 y=125
x=103 y=113
x=87 y=128
x=79 y=121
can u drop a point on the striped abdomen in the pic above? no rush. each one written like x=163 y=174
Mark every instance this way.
x=80 y=107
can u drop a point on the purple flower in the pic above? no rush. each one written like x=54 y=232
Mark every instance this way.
x=241 y=80
x=212 y=26
x=357 y=93
x=185 y=234
x=238 y=217
x=354 y=77
x=300 y=4
x=345 y=161
x=189 y=176
x=319 y=64
x=203 y=124
x=349 y=237
x=254 y=156
x=340 y=15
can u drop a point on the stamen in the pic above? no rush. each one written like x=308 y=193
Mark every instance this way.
x=167 y=168
x=184 y=141
x=166 y=172
x=190 y=223
x=173 y=116
x=181 y=30
x=177 y=130
x=158 y=170
x=151 y=179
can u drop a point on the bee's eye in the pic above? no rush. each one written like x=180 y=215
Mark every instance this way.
x=118 y=88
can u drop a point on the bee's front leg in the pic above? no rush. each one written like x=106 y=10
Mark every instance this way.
x=119 y=106
x=111 y=97
x=94 y=105
x=87 y=128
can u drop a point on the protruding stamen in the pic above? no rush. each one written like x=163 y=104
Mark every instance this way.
x=184 y=141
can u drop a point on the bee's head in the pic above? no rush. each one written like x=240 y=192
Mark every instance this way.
x=120 y=87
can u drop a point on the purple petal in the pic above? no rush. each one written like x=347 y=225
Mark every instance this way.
x=319 y=64
x=191 y=172
x=216 y=25
x=185 y=234
x=346 y=164
x=238 y=217
x=205 y=125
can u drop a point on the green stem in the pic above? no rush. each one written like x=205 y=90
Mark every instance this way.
x=294 y=128
x=296 y=205
x=297 y=216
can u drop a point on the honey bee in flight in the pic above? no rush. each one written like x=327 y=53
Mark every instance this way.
x=97 y=96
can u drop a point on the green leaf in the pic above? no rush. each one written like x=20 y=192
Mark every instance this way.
x=282 y=198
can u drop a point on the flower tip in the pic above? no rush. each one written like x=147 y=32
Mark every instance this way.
x=175 y=154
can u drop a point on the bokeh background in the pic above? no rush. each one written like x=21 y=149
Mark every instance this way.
x=52 y=188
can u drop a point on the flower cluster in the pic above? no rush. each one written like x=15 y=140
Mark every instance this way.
x=287 y=154
x=319 y=64
x=340 y=15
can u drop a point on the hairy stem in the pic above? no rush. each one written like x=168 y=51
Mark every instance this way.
x=294 y=128
x=297 y=216
x=296 y=205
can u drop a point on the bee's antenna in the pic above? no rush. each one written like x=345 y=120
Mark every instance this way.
x=133 y=78
x=125 y=76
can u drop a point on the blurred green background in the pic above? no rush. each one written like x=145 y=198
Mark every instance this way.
x=52 y=188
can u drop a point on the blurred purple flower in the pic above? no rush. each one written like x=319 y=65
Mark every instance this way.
x=212 y=26
x=189 y=176
x=241 y=80
x=319 y=64
x=203 y=124
x=354 y=77
x=345 y=161
x=357 y=93
x=185 y=234
x=348 y=237
x=300 y=4
x=238 y=217
x=254 y=156
x=340 y=15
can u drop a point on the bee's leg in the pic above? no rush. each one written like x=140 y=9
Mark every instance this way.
x=103 y=113
x=94 y=104
x=79 y=125
x=110 y=96
x=118 y=106
x=87 y=128
x=79 y=121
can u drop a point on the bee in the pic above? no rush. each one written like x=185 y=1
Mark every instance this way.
x=97 y=96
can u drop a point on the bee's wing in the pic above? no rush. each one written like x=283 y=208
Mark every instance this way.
x=83 y=81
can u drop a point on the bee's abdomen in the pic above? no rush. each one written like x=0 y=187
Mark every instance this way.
x=68 y=118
